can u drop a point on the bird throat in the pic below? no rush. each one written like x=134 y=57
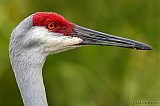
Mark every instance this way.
x=27 y=68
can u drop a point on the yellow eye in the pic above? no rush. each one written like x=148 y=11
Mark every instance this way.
x=50 y=26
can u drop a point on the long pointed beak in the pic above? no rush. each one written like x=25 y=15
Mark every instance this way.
x=91 y=37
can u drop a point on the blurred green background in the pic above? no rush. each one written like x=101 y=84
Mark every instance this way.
x=92 y=75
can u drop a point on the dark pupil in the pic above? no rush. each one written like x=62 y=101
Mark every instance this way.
x=51 y=25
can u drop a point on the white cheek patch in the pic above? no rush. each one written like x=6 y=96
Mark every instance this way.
x=63 y=40
x=62 y=43
x=70 y=41
x=52 y=42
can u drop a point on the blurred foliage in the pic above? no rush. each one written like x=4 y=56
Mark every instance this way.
x=92 y=75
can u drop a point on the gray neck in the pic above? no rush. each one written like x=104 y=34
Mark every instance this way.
x=27 y=66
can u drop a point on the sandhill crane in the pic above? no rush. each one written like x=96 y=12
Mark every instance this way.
x=44 y=33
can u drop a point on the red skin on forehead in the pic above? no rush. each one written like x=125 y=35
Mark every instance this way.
x=62 y=25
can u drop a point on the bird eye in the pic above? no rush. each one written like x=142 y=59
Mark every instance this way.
x=50 y=26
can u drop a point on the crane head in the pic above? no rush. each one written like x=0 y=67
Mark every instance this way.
x=53 y=33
